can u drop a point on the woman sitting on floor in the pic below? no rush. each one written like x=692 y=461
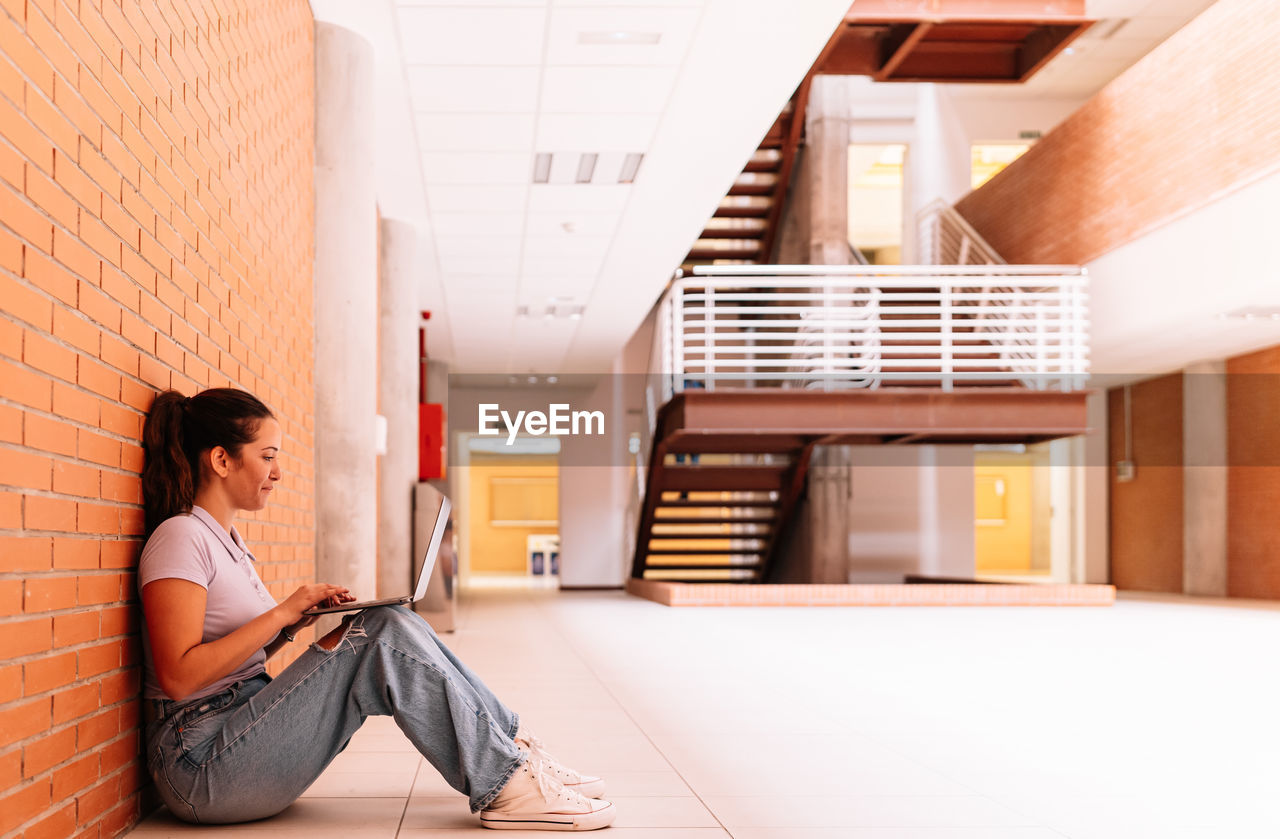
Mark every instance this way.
x=228 y=743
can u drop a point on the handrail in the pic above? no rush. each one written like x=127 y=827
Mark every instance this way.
x=946 y=238
x=853 y=326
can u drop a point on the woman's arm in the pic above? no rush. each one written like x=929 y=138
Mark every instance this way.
x=174 y=610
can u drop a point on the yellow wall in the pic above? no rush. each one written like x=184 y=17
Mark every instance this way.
x=506 y=493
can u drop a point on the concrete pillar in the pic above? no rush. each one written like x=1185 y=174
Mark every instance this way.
x=346 y=311
x=946 y=511
x=937 y=164
x=1092 y=495
x=1204 y=479
x=398 y=281
x=595 y=544
x=826 y=167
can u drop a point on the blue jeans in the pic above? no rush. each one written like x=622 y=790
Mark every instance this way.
x=249 y=752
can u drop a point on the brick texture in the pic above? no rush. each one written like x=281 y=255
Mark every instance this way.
x=156 y=230
x=1181 y=126
x=1253 y=491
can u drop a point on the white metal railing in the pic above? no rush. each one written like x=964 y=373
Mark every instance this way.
x=946 y=238
x=850 y=326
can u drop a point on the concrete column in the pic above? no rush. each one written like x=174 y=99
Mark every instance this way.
x=594 y=541
x=937 y=164
x=827 y=171
x=346 y=311
x=398 y=280
x=1091 y=495
x=946 y=511
x=1204 y=479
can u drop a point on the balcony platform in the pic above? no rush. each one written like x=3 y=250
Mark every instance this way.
x=670 y=593
x=723 y=419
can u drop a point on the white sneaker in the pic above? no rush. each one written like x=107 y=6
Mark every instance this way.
x=534 y=800
x=588 y=785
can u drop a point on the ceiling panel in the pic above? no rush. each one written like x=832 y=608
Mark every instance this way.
x=468 y=283
x=537 y=290
x=477 y=224
x=571 y=223
x=618 y=132
x=1183 y=8
x=450 y=198
x=596 y=4
x=475 y=132
x=495 y=246
x=590 y=198
x=471 y=4
x=543 y=342
x=476 y=350
x=567 y=245
x=470 y=90
x=477 y=167
x=479 y=264
x=673 y=26
x=559 y=266
x=1150 y=29
x=607 y=90
x=472 y=35
x=480 y=304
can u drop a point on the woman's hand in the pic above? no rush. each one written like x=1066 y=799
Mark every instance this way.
x=308 y=596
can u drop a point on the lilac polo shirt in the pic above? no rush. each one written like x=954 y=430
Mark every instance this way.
x=194 y=547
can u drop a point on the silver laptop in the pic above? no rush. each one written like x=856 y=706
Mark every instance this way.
x=424 y=573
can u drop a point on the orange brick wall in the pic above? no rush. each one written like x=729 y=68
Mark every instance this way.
x=1198 y=115
x=156 y=230
x=1253 y=491
x=1146 y=513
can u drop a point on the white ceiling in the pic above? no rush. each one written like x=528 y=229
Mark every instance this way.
x=469 y=92
x=1126 y=31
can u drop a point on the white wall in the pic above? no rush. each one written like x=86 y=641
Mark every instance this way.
x=910 y=511
x=1155 y=302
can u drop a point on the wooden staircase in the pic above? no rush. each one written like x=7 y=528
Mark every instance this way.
x=744 y=228
x=720 y=515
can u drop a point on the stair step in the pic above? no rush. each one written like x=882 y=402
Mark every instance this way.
x=719 y=566
x=714 y=520
x=704 y=551
x=714 y=505
x=721 y=478
x=679 y=537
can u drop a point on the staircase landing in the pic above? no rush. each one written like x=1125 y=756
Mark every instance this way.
x=872 y=594
x=721 y=419
x=727 y=467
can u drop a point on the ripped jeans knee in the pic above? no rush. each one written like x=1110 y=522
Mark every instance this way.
x=352 y=626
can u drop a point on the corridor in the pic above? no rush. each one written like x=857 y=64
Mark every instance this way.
x=1152 y=718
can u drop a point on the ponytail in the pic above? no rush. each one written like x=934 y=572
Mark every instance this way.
x=177 y=431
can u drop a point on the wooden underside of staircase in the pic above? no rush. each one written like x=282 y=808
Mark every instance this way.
x=727 y=467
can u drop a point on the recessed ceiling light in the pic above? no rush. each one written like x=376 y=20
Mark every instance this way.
x=630 y=166
x=1252 y=313
x=630 y=39
x=586 y=167
x=541 y=167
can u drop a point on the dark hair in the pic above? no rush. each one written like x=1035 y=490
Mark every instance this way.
x=178 y=429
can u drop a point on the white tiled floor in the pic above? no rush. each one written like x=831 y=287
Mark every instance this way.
x=1154 y=718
